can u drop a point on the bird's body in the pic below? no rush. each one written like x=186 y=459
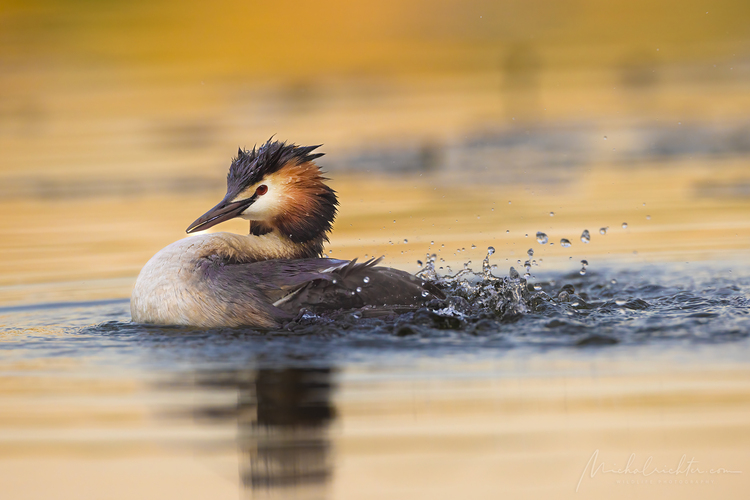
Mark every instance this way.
x=264 y=279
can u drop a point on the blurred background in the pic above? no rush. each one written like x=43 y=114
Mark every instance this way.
x=118 y=121
x=448 y=126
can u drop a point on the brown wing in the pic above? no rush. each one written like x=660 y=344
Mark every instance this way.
x=355 y=285
x=323 y=284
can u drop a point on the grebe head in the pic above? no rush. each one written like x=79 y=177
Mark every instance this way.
x=278 y=186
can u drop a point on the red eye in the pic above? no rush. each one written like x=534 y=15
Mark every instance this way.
x=262 y=189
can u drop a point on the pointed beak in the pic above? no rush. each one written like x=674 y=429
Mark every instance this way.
x=225 y=210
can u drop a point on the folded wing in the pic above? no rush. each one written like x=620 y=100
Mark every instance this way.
x=321 y=285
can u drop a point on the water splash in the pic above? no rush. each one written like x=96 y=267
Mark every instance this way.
x=477 y=303
x=469 y=292
x=428 y=271
x=486 y=267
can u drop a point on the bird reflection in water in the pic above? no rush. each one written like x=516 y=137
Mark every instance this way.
x=283 y=416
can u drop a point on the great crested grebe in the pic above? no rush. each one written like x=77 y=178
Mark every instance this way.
x=264 y=279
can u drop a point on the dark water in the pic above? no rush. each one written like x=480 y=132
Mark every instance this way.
x=660 y=305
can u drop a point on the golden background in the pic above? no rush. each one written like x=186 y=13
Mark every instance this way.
x=117 y=124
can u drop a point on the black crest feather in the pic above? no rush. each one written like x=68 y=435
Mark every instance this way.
x=250 y=167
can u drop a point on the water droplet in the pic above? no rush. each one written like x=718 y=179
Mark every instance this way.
x=334 y=281
x=602 y=230
x=473 y=247
x=507 y=231
x=552 y=214
x=419 y=263
x=530 y=252
x=605 y=137
x=541 y=238
x=394 y=221
x=584 y=263
x=359 y=289
x=425 y=293
x=432 y=243
x=624 y=225
x=613 y=281
x=648 y=217
x=508 y=202
x=366 y=279
x=406 y=241
x=330 y=251
x=353 y=292
x=621 y=302
x=537 y=287
x=490 y=250
x=565 y=243
x=585 y=236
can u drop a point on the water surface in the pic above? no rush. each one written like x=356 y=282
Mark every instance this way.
x=500 y=387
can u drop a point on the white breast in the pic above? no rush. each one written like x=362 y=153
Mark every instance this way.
x=165 y=292
x=172 y=289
